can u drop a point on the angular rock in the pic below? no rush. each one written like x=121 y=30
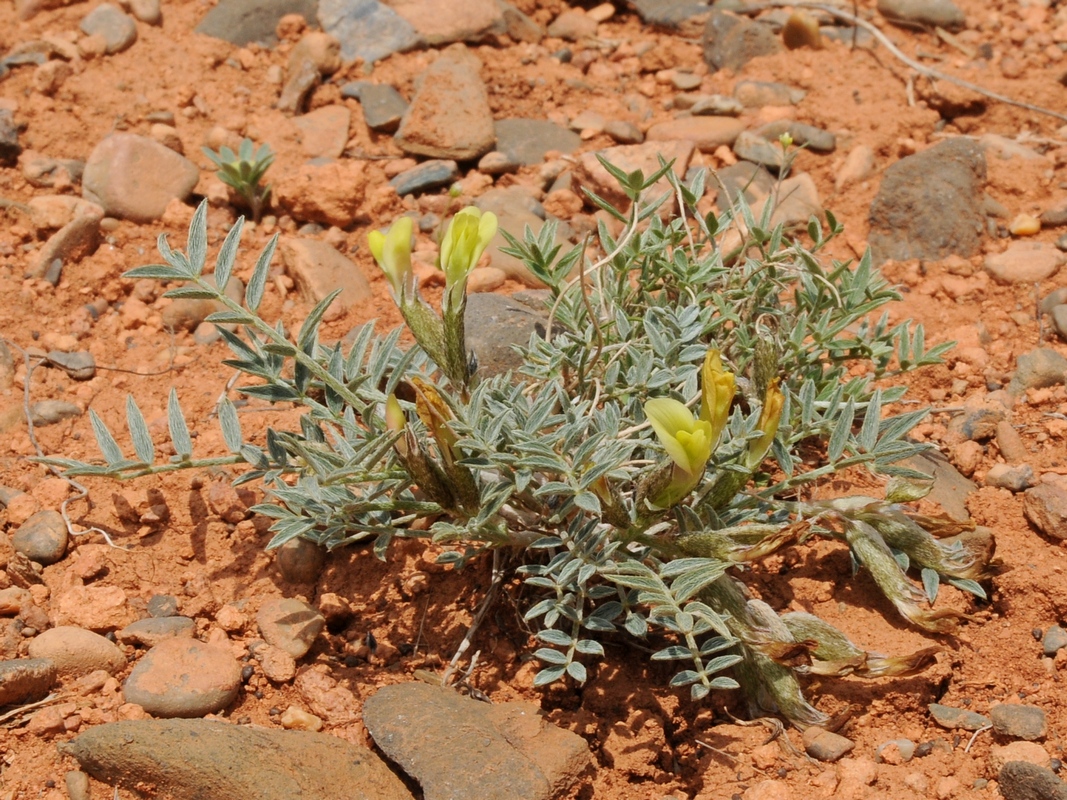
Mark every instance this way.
x=241 y=22
x=428 y=175
x=1018 y=721
x=731 y=42
x=715 y=105
x=151 y=631
x=572 y=25
x=1019 y=780
x=1046 y=507
x=9 y=139
x=706 y=133
x=325 y=696
x=1054 y=640
x=76 y=651
x=25 y=680
x=299 y=84
x=1013 y=477
x=44 y=172
x=756 y=94
x=51 y=212
x=518 y=26
x=383 y=106
x=290 y=624
x=421 y=727
x=300 y=561
x=623 y=132
x=42 y=538
x=751 y=146
x=321 y=49
x=628 y=158
x=1025 y=262
x=1030 y=752
x=1038 y=369
x=957 y=718
x=329 y=193
x=162 y=605
x=825 y=745
x=194 y=759
x=49 y=412
x=76 y=240
x=923 y=13
x=895 y=751
x=929 y=204
x=276 y=664
x=526 y=141
x=134 y=177
x=185 y=314
x=449 y=116
x=184 y=678
x=439 y=23
x=495 y=326
x=366 y=29
x=96 y=607
x=803 y=135
x=118 y=29
x=324 y=131
x=683 y=16
x=318 y=269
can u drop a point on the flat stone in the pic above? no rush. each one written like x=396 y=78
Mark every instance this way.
x=76 y=651
x=1025 y=262
x=526 y=141
x=428 y=175
x=924 y=13
x=449 y=116
x=1046 y=507
x=290 y=624
x=681 y=16
x=623 y=132
x=731 y=42
x=756 y=94
x=330 y=193
x=162 y=605
x=79 y=365
x=422 y=727
x=300 y=561
x=49 y=412
x=25 y=680
x=947 y=179
x=751 y=146
x=496 y=324
x=42 y=538
x=134 y=177
x=1019 y=780
x=957 y=718
x=367 y=30
x=241 y=22
x=195 y=759
x=184 y=678
x=324 y=131
x=76 y=240
x=383 y=106
x=1013 y=477
x=1030 y=752
x=519 y=26
x=573 y=25
x=815 y=139
x=1038 y=369
x=496 y=163
x=151 y=631
x=440 y=22
x=118 y=29
x=318 y=269
x=717 y=105
x=825 y=745
x=628 y=158
x=1054 y=640
x=706 y=133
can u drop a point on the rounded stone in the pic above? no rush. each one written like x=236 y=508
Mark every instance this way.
x=290 y=624
x=1019 y=721
x=300 y=561
x=1024 y=262
x=25 y=679
x=1054 y=640
x=184 y=678
x=42 y=538
x=76 y=651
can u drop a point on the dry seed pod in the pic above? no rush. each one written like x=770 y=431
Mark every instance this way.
x=801 y=30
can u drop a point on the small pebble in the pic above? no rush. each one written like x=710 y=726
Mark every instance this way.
x=1025 y=225
x=42 y=538
x=1055 y=639
x=824 y=745
x=297 y=719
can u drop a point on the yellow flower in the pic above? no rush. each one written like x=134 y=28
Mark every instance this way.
x=687 y=440
x=468 y=234
x=392 y=251
x=769 y=417
x=717 y=393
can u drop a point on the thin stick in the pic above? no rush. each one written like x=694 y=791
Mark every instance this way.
x=52 y=698
x=967 y=749
x=498 y=577
x=922 y=69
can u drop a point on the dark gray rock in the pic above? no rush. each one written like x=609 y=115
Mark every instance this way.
x=957 y=718
x=300 y=561
x=673 y=15
x=42 y=538
x=243 y=21
x=426 y=176
x=824 y=745
x=162 y=605
x=49 y=412
x=366 y=29
x=1038 y=369
x=750 y=146
x=1019 y=721
x=731 y=42
x=25 y=680
x=495 y=326
x=742 y=178
x=79 y=365
x=1055 y=639
x=184 y=678
x=1046 y=507
x=9 y=139
x=151 y=631
x=195 y=759
x=383 y=106
x=422 y=727
x=1021 y=780
x=290 y=624
x=118 y=29
x=929 y=204
x=804 y=135
x=527 y=140
x=927 y=13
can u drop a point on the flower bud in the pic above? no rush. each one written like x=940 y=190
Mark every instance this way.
x=717 y=394
x=468 y=234
x=392 y=251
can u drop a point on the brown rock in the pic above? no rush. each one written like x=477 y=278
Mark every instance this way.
x=644 y=157
x=70 y=244
x=98 y=608
x=324 y=131
x=1025 y=262
x=1031 y=752
x=76 y=651
x=1046 y=507
x=321 y=49
x=25 y=679
x=449 y=116
x=327 y=193
x=290 y=624
x=134 y=177
x=276 y=664
x=706 y=133
x=326 y=698
x=184 y=678
x=440 y=23
x=52 y=211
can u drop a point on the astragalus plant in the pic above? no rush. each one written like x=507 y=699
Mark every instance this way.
x=699 y=374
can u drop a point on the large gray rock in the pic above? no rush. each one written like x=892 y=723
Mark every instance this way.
x=199 y=759
x=929 y=204
x=526 y=141
x=449 y=116
x=460 y=749
x=133 y=177
x=367 y=29
x=730 y=41
x=496 y=325
x=242 y=21
x=118 y=29
x=684 y=16
x=942 y=13
x=1021 y=780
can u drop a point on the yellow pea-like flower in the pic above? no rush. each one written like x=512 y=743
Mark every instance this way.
x=392 y=251
x=468 y=234
x=769 y=417
x=717 y=394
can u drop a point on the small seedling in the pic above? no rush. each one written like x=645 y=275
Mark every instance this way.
x=242 y=171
